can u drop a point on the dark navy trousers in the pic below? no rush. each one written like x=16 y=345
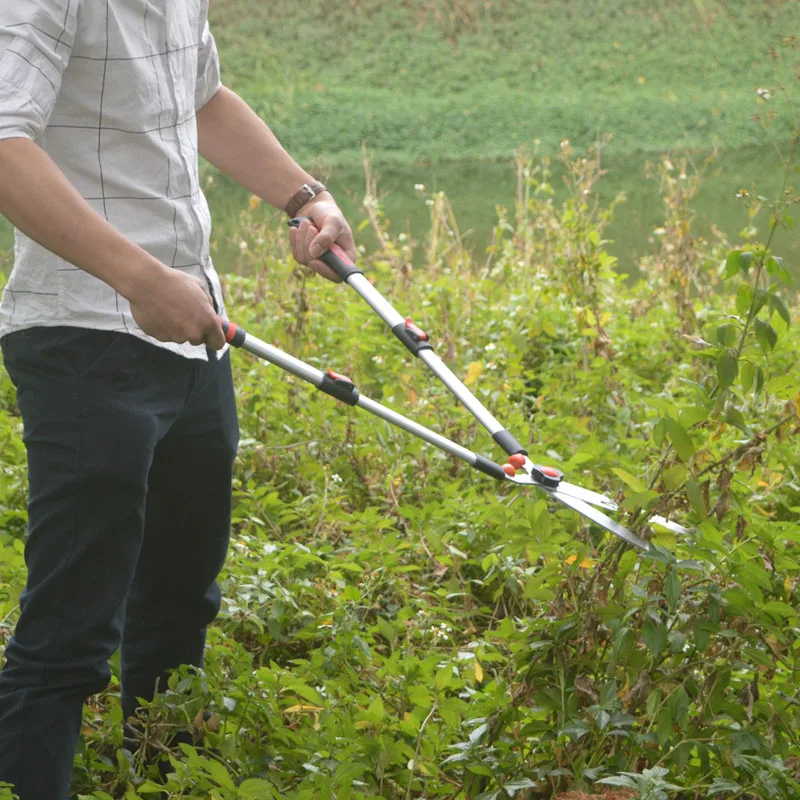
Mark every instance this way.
x=130 y=454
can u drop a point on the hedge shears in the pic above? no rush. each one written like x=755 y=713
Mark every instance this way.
x=518 y=469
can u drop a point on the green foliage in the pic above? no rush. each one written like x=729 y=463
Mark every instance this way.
x=13 y=502
x=456 y=79
x=396 y=625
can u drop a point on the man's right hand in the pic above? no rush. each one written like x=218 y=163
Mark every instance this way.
x=174 y=307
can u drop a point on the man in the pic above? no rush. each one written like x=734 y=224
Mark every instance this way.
x=110 y=331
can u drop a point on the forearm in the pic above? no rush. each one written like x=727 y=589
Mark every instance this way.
x=39 y=200
x=240 y=144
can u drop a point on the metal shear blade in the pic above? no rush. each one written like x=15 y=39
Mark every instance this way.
x=669 y=525
x=578 y=492
x=590 y=512
x=579 y=499
x=588 y=496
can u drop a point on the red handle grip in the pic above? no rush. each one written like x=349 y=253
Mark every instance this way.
x=234 y=335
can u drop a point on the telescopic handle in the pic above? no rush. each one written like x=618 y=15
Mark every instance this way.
x=416 y=342
x=342 y=388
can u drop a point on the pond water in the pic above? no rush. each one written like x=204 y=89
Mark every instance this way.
x=476 y=188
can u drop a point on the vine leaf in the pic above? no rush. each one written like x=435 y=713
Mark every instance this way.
x=727 y=369
x=681 y=441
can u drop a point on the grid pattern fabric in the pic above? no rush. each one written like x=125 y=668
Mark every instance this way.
x=110 y=89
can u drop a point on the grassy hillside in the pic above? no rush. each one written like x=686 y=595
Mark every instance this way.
x=452 y=79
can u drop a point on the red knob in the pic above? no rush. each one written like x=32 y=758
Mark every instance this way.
x=509 y=470
x=417 y=331
x=337 y=377
x=517 y=460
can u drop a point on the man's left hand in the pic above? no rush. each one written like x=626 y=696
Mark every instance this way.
x=312 y=239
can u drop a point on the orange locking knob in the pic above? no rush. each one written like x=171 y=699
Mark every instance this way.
x=547 y=476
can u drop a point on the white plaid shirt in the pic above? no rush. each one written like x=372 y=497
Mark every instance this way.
x=109 y=89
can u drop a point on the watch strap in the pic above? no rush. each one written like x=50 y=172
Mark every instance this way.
x=305 y=194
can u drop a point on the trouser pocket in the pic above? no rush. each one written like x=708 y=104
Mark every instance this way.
x=63 y=351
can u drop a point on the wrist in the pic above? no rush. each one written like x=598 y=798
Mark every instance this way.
x=136 y=279
x=322 y=197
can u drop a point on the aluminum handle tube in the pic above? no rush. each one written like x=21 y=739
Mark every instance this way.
x=283 y=360
x=316 y=377
x=417 y=430
x=380 y=305
x=391 y=317
x=444 y=373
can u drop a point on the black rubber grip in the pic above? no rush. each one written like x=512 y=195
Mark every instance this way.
x=509 y=443
x=345 y=392
x=338 y=261
x=490 y=468
x=234 y=335
x=412 y=342
x=335 y=258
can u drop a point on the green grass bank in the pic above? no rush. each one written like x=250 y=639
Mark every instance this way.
x=434 y=80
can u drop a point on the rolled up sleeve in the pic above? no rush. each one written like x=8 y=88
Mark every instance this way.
x=208 y=77
x=36 y=39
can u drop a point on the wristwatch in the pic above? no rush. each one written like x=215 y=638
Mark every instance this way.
x=306 y=193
